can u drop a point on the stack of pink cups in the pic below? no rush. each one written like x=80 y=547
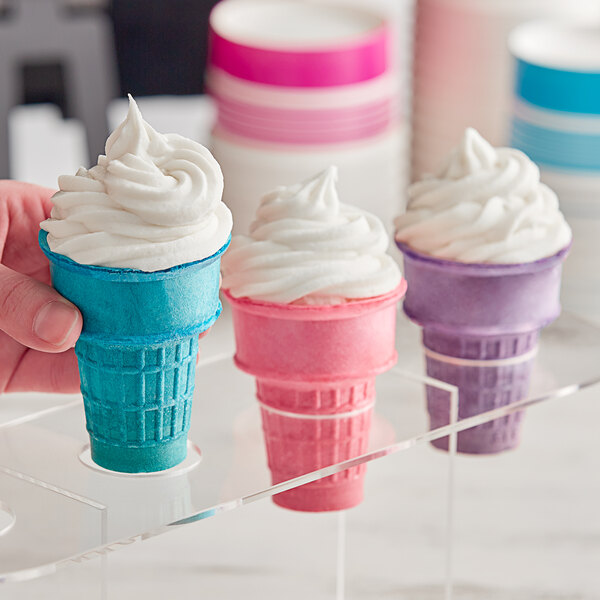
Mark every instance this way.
x=300 y=86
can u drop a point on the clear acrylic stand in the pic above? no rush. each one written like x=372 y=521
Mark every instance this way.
x=89 y=513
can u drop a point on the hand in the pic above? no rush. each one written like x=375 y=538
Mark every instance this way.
x=38 y=327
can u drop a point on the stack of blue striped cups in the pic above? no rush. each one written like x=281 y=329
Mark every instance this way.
x=556 y=122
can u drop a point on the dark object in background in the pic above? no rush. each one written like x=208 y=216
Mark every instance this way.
x=44 y=82
x=161 y=45
x=49 y=53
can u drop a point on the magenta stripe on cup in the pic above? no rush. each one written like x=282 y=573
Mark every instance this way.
x=306 y=126
x=235 y=121
x=344 y=65
x=281 y=116
x=304 y=135
x=308 y=137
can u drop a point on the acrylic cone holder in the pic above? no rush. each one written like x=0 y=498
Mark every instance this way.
x=489 y=372
x=315 y=369
x=480 y=325
x=137 y=354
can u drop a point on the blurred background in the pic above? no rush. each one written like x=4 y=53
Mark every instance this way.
x=65 y=69
x=66 y=65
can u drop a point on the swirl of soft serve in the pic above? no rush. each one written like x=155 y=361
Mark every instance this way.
x=486 y=205
x=305 y=246
x=151 y=203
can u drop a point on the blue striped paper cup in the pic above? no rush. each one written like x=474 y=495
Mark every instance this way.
x=557 y=66
x=556 y=119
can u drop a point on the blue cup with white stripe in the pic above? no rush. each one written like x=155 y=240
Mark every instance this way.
x=556 y=118
x=556 y=122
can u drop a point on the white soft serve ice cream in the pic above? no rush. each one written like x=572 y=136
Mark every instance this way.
x=486 y=205
x=305 y=245
x=151 y=203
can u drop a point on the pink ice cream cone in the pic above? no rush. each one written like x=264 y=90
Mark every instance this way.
x=315 y=368
x=481 y=325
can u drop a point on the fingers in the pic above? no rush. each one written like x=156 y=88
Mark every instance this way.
x=36 y=315
x=22 y=208
x=43 y=372
x=199 y=347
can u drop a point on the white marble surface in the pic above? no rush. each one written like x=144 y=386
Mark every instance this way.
x=526 y=523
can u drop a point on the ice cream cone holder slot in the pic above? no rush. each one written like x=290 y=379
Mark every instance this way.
x=89 y=511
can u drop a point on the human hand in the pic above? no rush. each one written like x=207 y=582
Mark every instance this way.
x=38 y=327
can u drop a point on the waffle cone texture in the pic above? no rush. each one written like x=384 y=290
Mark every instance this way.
x=315 y=369
x=478 y=313
x=137 y=354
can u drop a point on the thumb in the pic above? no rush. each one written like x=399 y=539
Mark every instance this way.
x=36 y=315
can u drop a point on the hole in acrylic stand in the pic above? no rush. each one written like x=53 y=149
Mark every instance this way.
x=7 y=518
x=191 y=461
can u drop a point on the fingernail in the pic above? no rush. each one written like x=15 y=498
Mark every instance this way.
x=54 y=322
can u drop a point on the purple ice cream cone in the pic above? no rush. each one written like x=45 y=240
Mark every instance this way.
x=473 y=314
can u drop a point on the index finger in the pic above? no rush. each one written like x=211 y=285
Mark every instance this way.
x=23 y=206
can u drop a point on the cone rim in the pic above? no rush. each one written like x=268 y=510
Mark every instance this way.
x=123 y=273
x=305 y=312
x=485 y=269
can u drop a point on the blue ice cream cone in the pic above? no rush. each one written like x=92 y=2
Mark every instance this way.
x=137 y=354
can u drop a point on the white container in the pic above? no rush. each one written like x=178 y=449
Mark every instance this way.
x=581 y=277
x=579 y=196
x=300 y=86
x=368 y=172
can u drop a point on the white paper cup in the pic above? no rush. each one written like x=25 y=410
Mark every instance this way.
x=369 y=173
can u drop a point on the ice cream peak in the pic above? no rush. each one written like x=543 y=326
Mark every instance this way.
x=151 y=203
x=485 y=205
x=306 y=246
